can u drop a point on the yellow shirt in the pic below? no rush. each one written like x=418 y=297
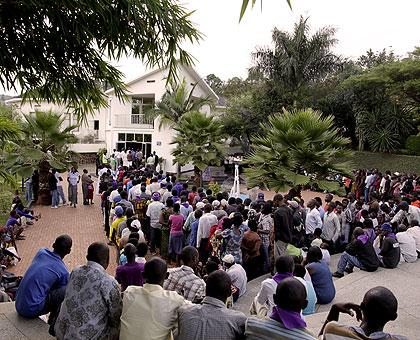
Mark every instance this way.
x=114 y=226
x=149 y=313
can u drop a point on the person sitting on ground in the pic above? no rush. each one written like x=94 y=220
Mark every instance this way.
x=101 y=303
x=238 y=276
x=320 y=275
x=414 y=231
x=43 y=286
x=359 y=253
x=299 y=273
x=263 y=303
x=285 y=322
x=407 y=244
x=150 y=312
x=212 y=320
x=183 y=280
x=389 y=248
x=131 y=273
x=379 y=306
x=369 y=230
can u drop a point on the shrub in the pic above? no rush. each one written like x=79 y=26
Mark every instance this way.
x=412 y=144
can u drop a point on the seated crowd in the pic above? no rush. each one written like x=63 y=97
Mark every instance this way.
x=213 y=245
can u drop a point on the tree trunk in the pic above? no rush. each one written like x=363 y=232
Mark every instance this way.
x=178 y=170
x=198 y=180
x=44 y=195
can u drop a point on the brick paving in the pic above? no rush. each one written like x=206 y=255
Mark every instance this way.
x=83 y=224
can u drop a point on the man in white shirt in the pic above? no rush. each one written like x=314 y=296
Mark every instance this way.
x=153 y=212
x=203 y=233
x=331 y=229
x=313 y=218
x=237 y=275
x=407 y=244
x=150 y=312
x=60 y=188
x=414 y=231
x=410 y=212
x=135 y=190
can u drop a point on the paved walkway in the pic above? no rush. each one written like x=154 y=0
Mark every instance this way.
x=83 y=224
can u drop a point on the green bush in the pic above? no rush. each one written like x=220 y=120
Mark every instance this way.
x=6 y=198
x=412 y=144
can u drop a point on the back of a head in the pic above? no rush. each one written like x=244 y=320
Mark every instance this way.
x=155 y=271
x=285 y=264
x=314 y=255
x=198 y=213
x=231 y=200
x=299 y=271
x=98 y=252
x=130 y=252
x=208 y=208
x=188 y=255
x=218 y=285
x=379 y=306
x=368 y=223
x=290 y=295
x=62 y=245
x=142 y=249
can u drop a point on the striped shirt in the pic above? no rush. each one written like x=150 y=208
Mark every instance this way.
x=269 y=329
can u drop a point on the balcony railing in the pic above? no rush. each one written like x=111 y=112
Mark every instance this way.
x=132 y=121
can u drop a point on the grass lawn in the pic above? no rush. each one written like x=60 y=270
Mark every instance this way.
x=383 y=162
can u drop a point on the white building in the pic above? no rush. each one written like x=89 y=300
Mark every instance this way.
x=122 y=125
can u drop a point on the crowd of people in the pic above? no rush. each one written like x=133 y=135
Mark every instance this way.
x=185 y=255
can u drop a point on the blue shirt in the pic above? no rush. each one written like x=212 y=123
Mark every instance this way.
x=46 y=272
x=193 y=236
x=322 y=282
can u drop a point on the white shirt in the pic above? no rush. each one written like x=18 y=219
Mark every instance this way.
x=57 y=175
x=413 y=213
x=415 y=232
x=265 y=296
x=154 y=187
x=153 y=211
x=407 y=246
x=133 y=192
x=126 y=234
x=149 y=312
x=331 y=229
x=113 y=194
x=206 y=222
x=313 y=221
x=238 y=276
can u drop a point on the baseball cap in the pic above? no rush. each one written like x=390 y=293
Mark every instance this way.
x=216 y=203
x=156 y=196
x=119 y=211
x=228 y=259
x=386 y=227
x=136 y=224
x=200 y=205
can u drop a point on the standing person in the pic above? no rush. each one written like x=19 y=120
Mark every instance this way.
x=129 y=158
x=283 y=224
x=35 y=185
x=212 y=320
x=285 y=322
x=183 y=279
x=101 y=303
x=176 y=235
x=42 y=288
x=52 y=184
x=86 y=181
x=124 y=158
x=130 y=273
x=60 y=190
x=154 y=210
x=203 y=233
x=150 y=312
x=265 y=227
x=73 y=178
x=313 y=221
x=332 y=227
x=250 y=246
x=156 y=160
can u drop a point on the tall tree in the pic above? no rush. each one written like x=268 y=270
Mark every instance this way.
x=371 y=59
x=60 y=50
x=215 y=83
x=44 y=145
x=199 y=140
x=298 y=58
x=297 y=148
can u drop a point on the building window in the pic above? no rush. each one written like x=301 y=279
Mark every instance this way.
x=96 y=125
x=139 y=106
x=135 y=141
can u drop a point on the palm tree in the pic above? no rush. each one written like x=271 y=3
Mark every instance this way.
x=298 y=58
x=9 y=133
x=297 y=148
x=176 y=102
x=199 y=141
x=44 y=146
